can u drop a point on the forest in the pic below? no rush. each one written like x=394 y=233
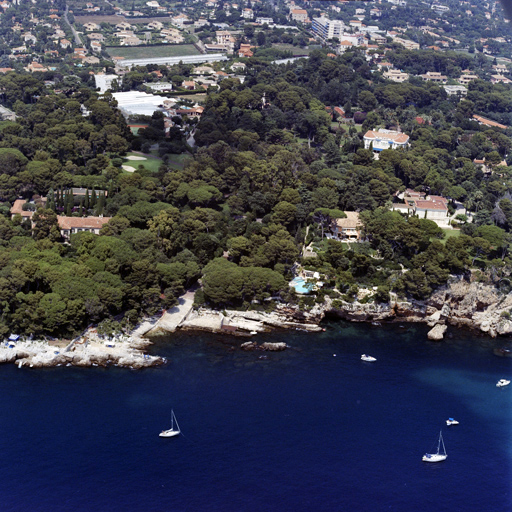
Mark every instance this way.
x=273 y=166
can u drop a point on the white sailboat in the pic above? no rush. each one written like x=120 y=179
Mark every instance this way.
x=502 y=383
x=173 y=431
x=366 y=357
x=440 y=455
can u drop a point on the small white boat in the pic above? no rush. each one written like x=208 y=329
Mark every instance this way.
x=366 y=357
x=451 y=421
x=173 y=431
x=502 y=382
x=440 y=455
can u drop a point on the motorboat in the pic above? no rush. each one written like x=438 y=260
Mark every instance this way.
x=502 y=382
x=451 y=421
x=366 y=357
x=439 y=455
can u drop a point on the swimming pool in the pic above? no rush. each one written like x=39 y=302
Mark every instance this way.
x=300 y=285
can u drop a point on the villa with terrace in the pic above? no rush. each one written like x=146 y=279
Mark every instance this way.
x=379 y=140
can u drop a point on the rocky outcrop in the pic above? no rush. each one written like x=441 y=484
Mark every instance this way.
x=90 y=350
x=272 y=347
x=243 y=323
x=460 y=303
x=437 y=333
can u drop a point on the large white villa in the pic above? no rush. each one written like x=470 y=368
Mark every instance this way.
x=382 y=139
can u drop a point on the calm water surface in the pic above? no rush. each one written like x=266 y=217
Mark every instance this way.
x=302 y=430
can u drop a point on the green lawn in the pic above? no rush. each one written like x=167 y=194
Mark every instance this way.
x=296 y=50
x=151 y=163
x=450 y=233
x=145 y=52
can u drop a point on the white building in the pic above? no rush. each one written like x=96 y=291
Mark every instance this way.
x=248 y=14
x=455 y=90
x=186 y=59
x=327 y=29
x=159 y=86
x=261 y=20
x=395 y=75
x=385 y=139
x=138 y=103
x=104 y=82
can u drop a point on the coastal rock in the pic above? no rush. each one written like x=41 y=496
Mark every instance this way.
x=273 y=346
x=504 y=327
x=249 y=345
x=460 y=303
x=433 y=319
x=437 y=332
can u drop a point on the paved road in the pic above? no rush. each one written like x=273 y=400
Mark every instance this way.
x=78 y=41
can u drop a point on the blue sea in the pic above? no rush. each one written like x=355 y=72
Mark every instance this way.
x=312 y=428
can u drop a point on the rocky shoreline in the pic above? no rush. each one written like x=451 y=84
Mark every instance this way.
x=471 y=305
x=87 y=350
x=461 y=304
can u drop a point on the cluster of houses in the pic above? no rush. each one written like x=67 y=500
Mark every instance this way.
x=127 y=34
x=467 y=76
x=67 y=225
x=425 y=206
x=410 y=202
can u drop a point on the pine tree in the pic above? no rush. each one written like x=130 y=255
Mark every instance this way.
x=101 y=204
x=69 y=203
x=51 y=200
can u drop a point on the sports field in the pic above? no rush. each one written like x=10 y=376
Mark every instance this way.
x=146 y=52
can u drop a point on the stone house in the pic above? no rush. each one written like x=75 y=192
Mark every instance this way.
x=347 y=229
x=71 y=225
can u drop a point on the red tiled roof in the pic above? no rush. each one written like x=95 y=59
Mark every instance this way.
x=431 y=205
x=17 y=208
x=488 y=122
x=82 y=222
x=399 y=137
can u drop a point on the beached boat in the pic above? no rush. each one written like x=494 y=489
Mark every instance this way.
x=366 y=357
x=451 y=421
x=440 y=455
x=173 y=431
x=502 y=382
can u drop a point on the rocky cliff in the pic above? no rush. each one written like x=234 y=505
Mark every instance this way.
x=474 y=305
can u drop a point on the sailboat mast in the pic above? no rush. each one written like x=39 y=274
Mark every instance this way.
x=174 y=418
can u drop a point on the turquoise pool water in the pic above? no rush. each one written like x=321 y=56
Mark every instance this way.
x=300 y=285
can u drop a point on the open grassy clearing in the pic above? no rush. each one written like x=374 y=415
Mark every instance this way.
x=450 y=233
x=114 y=19
x=146 y=52
x=153 y=162
x=296 y=50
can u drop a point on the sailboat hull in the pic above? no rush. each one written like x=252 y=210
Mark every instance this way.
x=169 y=433
x=434 y=457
